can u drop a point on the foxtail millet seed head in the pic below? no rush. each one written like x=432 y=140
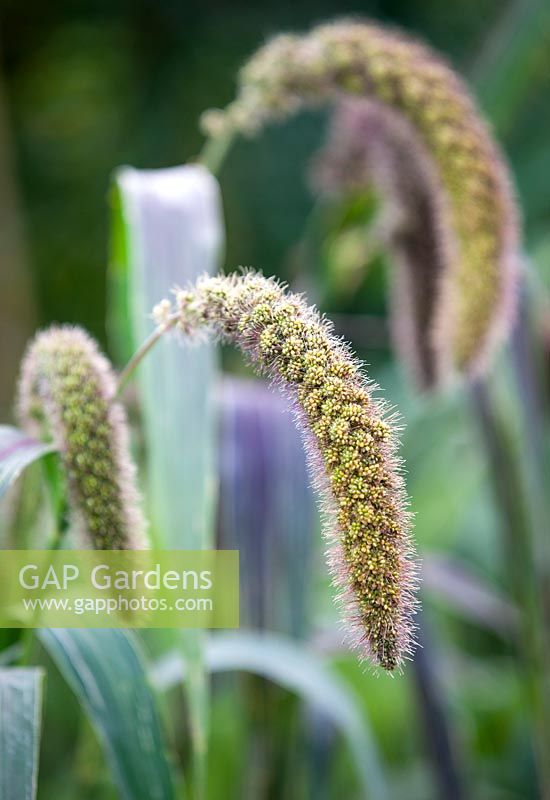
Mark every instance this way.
x=371 y=146
x=350 y=440
x=67 y=391
x=477 y=292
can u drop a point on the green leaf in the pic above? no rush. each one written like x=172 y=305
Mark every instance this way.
x=107 y=672
x=168 y=230
x=17 y=451
x=300 y=671
x=20 y=724
x=173 y=232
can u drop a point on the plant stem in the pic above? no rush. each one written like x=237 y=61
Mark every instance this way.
x=436 y=724
x=57 y=493
x=215 y=150
x=191 y=641
x=517 y=521
x=532 y=407
x=531 y=396
x=142 y=351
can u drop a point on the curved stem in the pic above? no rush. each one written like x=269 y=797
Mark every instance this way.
x=142 y=351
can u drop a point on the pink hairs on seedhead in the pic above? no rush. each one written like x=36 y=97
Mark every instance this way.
x=350 y=440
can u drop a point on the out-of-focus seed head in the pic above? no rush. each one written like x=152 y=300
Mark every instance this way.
x=67 y=391
x=370 y=145
x=351 y=445
x=477 y=289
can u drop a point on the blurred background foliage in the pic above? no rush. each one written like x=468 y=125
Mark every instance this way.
x=85 y=87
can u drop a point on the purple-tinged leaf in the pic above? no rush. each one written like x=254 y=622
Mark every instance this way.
x=267 y=509
x=17 y=451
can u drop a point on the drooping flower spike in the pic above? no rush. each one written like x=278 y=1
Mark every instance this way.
x=67 y=392
x=350 y=441
x=371 y=145
x=476 y=291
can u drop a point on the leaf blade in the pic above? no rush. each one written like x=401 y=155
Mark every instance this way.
x=105 y=669
x=167 y=230
x=17 y=451
x=280 y=660
x=20 y=722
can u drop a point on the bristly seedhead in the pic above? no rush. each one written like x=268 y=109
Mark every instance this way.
x=351 y=447
x=67 y=390
x=371 y=145
x=476 y=293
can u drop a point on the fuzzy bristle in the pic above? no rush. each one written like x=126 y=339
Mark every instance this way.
x=67 y=392
x=350 y=441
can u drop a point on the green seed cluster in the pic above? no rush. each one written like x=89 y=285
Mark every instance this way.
x=67 y=390
x=477 y=296
x=351 y=447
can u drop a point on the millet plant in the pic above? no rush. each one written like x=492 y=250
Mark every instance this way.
x=459 y=272
x=404 y=122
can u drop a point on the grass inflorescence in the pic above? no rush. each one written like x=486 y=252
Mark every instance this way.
x=371 y=146
x=351 y=443
x=476 y=290
x=67 y=392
